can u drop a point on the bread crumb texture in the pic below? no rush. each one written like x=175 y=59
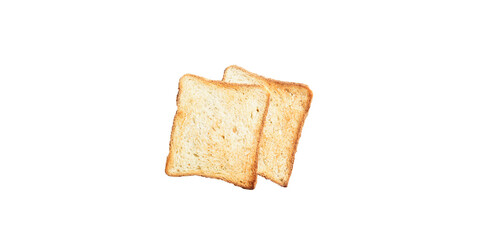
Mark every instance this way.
x=216 y=130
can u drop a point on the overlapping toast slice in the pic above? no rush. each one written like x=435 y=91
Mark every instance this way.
x=289 y=105
x=216 y=130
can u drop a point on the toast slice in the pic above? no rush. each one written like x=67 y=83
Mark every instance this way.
x=216 y=130
x=289 y=105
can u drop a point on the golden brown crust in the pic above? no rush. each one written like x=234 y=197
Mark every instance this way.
x=273 y=81
x=168 y=161
x=222 y=84
x=297 y=136
x=250 y=184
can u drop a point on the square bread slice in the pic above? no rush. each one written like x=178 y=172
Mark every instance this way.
x=289 y=105
x=216 y=130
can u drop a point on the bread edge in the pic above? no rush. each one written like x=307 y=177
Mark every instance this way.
x=250 y=184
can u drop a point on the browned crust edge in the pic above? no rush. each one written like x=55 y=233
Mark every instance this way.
x=267 y=79
x=253 y=181
x=291 y=159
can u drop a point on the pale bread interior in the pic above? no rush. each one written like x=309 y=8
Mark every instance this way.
x=216 y=130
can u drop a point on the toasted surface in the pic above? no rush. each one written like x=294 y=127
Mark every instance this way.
x=289 y=105
x=216 y=130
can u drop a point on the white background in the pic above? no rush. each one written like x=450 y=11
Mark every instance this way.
x=87 y=99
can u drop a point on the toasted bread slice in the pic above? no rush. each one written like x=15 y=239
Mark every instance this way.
x=289 y=105
x=216 y=130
